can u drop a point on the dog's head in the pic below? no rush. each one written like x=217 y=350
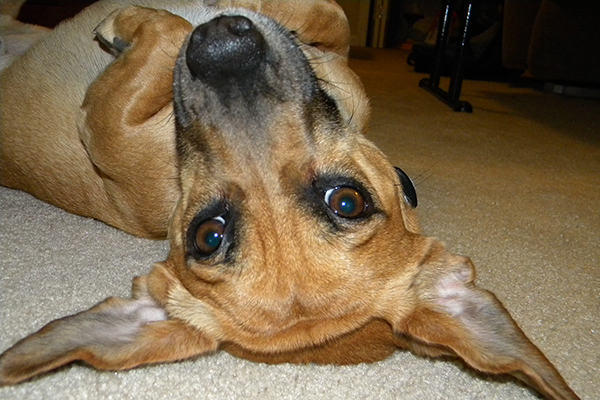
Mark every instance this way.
x=286 y=205
x=293 y=234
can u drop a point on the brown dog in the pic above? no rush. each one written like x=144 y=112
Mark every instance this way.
x=292 y=237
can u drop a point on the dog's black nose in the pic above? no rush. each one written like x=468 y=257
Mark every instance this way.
x=227 y=46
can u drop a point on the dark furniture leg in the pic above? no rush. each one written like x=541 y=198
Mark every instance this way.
x=432 y=84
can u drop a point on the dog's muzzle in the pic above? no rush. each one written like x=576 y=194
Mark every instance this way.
x=238 y=76
x=226 y=47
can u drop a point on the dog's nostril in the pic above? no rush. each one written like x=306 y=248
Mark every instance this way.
x=224 y=47
x=237 y=25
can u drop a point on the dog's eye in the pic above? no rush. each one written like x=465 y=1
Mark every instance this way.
x=209 y=235
x=346 y=201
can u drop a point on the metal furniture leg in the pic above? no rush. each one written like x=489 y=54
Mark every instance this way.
x=432 y=84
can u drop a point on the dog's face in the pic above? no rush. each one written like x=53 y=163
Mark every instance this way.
x=286 y=206
x=293 y=233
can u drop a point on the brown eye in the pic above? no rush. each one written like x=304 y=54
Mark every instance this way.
x=346 y=201
x=209 y=235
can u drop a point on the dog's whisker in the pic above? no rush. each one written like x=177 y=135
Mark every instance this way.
x=425 y=175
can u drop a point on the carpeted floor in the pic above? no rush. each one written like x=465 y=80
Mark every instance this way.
x=515 y=185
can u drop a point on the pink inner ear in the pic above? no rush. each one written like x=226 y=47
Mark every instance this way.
x=123 y=323
x=145 y=310
x=452 y=292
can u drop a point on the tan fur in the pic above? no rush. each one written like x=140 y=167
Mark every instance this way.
x=299 y=288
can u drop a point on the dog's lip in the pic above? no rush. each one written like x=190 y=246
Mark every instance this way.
x=408 y=187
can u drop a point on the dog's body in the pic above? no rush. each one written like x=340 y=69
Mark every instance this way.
x=292 y=237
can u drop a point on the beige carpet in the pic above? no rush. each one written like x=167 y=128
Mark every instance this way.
x=515 y=185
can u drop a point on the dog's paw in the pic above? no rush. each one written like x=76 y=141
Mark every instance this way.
x=106 y=33
x=115 y=45
x=123 y=27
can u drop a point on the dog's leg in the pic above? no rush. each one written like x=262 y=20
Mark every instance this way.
x=127 y=125
x=115 y=334
x=454 y=317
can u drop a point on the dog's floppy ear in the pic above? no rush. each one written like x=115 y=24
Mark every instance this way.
x=454 y=317
x=115 y=334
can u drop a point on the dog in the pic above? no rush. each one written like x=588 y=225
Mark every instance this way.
x=235 y=129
